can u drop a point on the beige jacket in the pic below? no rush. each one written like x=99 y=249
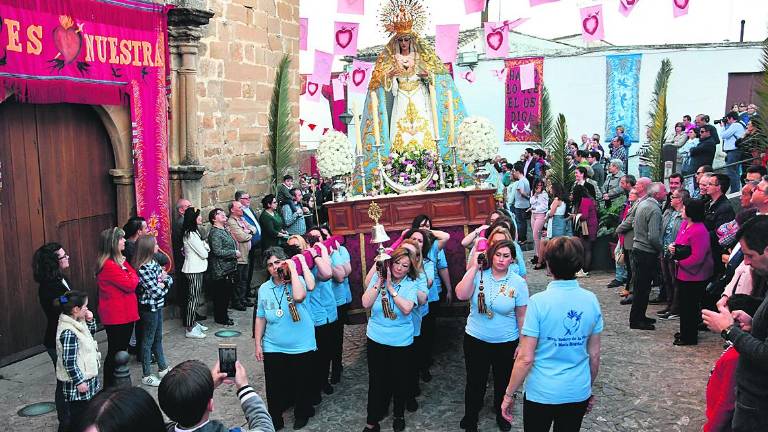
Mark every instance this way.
x=242 y=232
x=88 y=355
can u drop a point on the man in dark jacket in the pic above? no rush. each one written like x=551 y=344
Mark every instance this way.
x=704 y=152
x=718 y=211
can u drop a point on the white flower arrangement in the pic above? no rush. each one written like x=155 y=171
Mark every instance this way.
x=477 y=140
x=334 y=155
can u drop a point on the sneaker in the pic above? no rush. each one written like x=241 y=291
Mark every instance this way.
x=164 y=372
x=672 y=317
x=582 y=273
x=151 y=381
x=195 y=333
x=201 y=327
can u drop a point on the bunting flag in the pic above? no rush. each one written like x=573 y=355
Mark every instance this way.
x=313 y=90
x=338 y=89
x=680 y=7
x=527 y=76
x=355 y=7
x=622 y=95
x=472 y=6
x=303 y=31
x=447 y=42
x=626 y=6
x=345 y=38
x=359 y=77
x=466 y=74
x=592 y=23
x=496 y=40
x=321 y=74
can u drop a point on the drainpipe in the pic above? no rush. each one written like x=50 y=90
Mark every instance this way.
x=741 y=36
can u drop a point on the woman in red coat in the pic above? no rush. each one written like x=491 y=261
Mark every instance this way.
x=118 y=305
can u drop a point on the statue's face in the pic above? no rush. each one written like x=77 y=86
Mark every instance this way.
x=404 y=43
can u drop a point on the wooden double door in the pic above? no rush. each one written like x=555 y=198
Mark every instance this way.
x=55 y=187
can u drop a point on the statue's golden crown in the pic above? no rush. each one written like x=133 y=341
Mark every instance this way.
x=403 y=16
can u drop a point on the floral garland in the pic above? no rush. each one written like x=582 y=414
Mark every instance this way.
x=412 y=167
x=334 y=155
x=477 y=140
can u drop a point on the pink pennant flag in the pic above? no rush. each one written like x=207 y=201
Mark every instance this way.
x=626 y=6
x=500 y=74
x=680 y=7
x=541 y=2
x=472 y=6
x=322 y=71
x=356 y=7
x=359 y=76
x=527 y=77
x=515 y=23
x=447 y=41
x=466 y=74
x=314 y=91
x=303 y=31
x=338 y=89
x=345 y=38
x=592 y=23
x=496 y=40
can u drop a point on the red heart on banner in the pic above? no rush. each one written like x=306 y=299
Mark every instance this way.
x=344 y=37
x=68 y=42
x=591 y=23
x=681 y=4
x=312 y=126
x=630 y=2
x=494 y=39
x=358 y=76
x=312 y=88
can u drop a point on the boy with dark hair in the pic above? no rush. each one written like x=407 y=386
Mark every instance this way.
x=186 y=397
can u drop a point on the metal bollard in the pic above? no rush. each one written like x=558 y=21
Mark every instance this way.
x=122 y=374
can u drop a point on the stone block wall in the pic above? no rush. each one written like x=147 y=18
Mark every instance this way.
x=239 y=53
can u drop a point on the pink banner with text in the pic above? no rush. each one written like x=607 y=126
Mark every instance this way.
x=522 y=120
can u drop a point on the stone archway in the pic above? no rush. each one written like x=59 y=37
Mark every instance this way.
x=117 y=121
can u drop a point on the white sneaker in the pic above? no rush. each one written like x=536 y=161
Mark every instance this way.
x=151 y=381
x=195 y=333
x=582 y=273
x=201 y=327
x=164 y=372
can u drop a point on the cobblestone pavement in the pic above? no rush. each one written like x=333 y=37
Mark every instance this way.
x=645 y=383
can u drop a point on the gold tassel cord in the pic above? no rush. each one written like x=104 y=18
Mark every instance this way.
x=292 y=307
x=386 y=307
x=481 y=307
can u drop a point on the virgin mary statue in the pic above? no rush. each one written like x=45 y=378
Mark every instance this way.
x=412 y=103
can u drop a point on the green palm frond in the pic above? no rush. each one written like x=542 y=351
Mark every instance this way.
x=557 y=148
x=659 y=119
x=546 y=118
x=281 y=146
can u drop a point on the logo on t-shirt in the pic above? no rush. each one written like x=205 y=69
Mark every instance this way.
x=571 y=322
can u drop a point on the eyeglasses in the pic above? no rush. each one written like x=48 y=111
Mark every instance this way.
x=245 y=198
x=63 y=257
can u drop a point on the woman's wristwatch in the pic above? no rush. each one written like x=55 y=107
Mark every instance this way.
x=726 y=331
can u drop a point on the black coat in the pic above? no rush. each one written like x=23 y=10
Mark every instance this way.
x=703 y=153
x=47 y=293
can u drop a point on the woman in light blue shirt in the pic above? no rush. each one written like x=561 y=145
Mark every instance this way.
x=285 y=338
x=498 y=298
x=390 y=299
x=560 y=347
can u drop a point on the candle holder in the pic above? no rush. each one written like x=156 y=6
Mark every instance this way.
x=360 y=157
x=377 y=148
x=455 y=166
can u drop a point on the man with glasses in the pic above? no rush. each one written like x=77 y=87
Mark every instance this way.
x=249 y=215
x=718 y=211
x=704 y=152
x=760 y=196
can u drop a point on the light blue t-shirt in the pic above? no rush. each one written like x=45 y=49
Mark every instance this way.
x=502 y=296
x=341 y=290
x=562 y=317
x=392 y=332
x=437 y=256
x=419 y=311
x=322 y=303
x=429 y=269
x=282 y=334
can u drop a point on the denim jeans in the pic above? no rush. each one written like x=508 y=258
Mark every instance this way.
x=733 y=172
x=152 y=342
x=522 y=226
x=621 y=269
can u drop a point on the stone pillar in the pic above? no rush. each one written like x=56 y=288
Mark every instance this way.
x=184 y=34
x=125 y=193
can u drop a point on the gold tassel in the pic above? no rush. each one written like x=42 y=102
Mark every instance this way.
x=481 y=308
x=386 y=307
x=292 y=309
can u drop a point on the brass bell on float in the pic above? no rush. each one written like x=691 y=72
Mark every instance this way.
x=378 y=233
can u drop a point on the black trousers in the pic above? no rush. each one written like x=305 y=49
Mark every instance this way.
x=424 y=355
x=62 y=407
x=338 y=337
x=690 y=295
x=76 y=410
x=630 y=267
x=118 y=337
x=253 y=256
x=388 y=379
x=749 y=415
x=288 y=380
x=324 y=336
x=221 y=291
x=538 y=417
x=240 y=289
x=479 y=358
x=646 y=266
x=415 y=366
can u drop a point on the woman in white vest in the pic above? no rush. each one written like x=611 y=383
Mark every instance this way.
x=78 y=357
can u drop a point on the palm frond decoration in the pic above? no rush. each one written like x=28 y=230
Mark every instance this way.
x=758 y=142
x=659 y=118
x=281 y=146
x=546 y=118
x=557 y=148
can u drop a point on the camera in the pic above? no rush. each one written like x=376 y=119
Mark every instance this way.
x=722 y=120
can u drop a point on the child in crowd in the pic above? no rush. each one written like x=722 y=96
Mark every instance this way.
x=78 y=357
x=154 y=283
x=186 y=397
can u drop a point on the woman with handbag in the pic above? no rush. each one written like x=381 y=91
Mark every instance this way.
x=585 y=223
x=222 y=262
x=693 y=254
